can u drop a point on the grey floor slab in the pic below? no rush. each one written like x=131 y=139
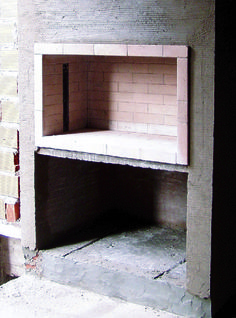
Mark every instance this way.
x=148 y=252
x=142 y=264
x=29 y=296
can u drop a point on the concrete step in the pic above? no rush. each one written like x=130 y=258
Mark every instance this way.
x=142 y=265
x=30 y=296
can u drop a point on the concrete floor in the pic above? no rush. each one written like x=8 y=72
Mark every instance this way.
x=30 y=296
x=109 y=270
x=139 y=264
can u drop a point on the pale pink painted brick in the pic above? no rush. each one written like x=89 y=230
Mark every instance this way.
x=103 y=86
x=170 y=120
x=52 y=90
x=148 y=78
x=98 y=96
x=51 y=69
x=175 y=51
x=155 y=109
x=118 y=77
x=121 y=116
x=182 y=144
x=170 y=60
x=145 y=50
x=52 y=100
x=78 y=67
x=162 y=89
x=171 y=110
x=136 y=97
x=133 y=87
x=98 y=66
x=132 y=107
x=182 y=79
x=81 y=108
x=170 y=79
x=78 y=96
x=53 y=109
x=101 y=104
x=133 y=67
x=148 y=118
x=162 y=68
x=95 y=76
x=77 y=122
x=85 y=49
x=149 y=98
x=99 y=114
x=182 y=111
x=170 y=100
x=162 y=130
x=52 y=80
x=107 y=49
x=132 y=127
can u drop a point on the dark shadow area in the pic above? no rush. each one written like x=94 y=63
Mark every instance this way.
x=78 y=200
x=112 y=222
x=223 y=265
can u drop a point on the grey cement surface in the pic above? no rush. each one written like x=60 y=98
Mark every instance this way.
x=140 y=265
x=147 y=252
x=29 y=296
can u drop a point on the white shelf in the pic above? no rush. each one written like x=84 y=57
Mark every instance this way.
x=113 y=143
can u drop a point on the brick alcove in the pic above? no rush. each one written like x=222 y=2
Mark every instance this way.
x=128 y=101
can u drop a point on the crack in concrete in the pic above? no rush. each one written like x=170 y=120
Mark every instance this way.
x=81 y=247
x=182 y=261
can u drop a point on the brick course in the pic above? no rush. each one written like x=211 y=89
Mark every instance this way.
x=114 y=90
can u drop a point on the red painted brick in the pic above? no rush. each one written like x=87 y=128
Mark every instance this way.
x=12 y=212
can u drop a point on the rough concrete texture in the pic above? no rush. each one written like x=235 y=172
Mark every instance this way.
x=141 y=265
x=29 y=296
